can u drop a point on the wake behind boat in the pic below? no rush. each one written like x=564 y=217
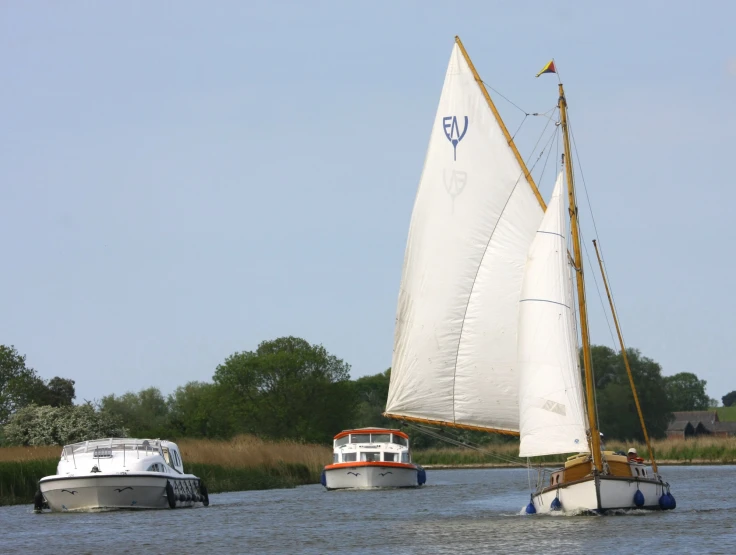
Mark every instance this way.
x=372 y=458
x=120 y=473
x=491 y=295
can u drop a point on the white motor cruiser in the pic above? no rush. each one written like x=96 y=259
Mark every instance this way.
x=372 y=458
x=120 y=473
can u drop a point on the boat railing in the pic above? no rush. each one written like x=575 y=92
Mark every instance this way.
x=104 y=448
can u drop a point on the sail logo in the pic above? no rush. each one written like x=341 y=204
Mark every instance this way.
x=452 y=132
x=454 y=182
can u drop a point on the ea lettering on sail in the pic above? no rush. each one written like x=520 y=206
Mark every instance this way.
x=452 y=132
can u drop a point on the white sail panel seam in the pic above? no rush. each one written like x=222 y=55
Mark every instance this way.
x=472 y=288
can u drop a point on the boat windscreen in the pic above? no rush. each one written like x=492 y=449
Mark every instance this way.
x=399 y=440
x=342 y=441
x=360 y=438
x=380 y=438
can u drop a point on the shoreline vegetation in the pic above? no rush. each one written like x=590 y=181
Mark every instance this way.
x=249 y=463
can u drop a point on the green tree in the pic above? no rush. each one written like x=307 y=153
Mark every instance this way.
x=287 y=388
x=687 y=392
x=372 y=394
x=58 y=392
x=729 y=399
x=197 y=410
x=617 y=413
x=144 y=414
x=19 y=385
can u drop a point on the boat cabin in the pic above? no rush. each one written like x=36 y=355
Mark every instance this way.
x=120 y=455
x=371 y=445
x=579 y=466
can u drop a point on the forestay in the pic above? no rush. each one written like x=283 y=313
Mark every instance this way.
x=552 y=417
x=474 y=218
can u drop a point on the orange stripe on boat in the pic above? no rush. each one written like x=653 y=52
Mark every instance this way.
x=369 y=463
x=371 y=431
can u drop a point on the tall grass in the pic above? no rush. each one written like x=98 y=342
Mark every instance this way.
x=19 y=480
x=251 y=452
x=701 y=450
x=693 y=450
x=19 y=454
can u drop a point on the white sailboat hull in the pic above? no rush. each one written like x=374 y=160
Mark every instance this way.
x=603 y=494
x=119 y=491
x=374 y=476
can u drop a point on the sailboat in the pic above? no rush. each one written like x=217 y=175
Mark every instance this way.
x=489 y=305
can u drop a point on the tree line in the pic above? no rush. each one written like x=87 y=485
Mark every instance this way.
x=288 y=388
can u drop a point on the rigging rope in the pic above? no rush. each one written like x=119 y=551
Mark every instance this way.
x=426 y=430
x=506 y=99
x=597 y=236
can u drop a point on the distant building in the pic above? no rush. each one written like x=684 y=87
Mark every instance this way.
x=699 y=423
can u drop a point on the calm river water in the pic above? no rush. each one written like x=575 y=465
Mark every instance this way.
x=459 y=511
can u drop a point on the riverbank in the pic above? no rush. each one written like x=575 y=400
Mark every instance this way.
x=248 y=463
x=702 y=450
x=556 y=465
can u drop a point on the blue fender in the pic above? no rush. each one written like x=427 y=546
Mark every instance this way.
x=639 y=498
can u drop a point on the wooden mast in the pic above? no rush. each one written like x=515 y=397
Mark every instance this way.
x=595 y=440
x=626 y=358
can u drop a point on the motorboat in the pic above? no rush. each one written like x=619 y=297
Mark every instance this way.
x=372 y=458
x=120 y=473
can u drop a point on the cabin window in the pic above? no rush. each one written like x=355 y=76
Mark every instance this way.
x=167 y=457
x=399 y=440
x=405 y=457
x=370 y=456
x=335 y=457
x=360 y=438
x=380 y=438
x=349 y=457
x=389 y=457
x=342 y=441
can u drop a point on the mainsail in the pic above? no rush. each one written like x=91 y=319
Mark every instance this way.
x=474 y=218
x=552 y=417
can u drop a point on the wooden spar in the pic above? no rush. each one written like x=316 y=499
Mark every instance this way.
x=626 y=359
x=450 y=424
x=595 y=440
x=501 y=124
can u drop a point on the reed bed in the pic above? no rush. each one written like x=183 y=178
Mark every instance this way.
x=716 y=450
x=701 y=450
x=18 y=454
x=251 y=452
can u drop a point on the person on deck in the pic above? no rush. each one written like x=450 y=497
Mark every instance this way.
x=633 y=456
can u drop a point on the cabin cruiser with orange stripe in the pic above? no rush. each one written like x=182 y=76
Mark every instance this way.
x=372 y=458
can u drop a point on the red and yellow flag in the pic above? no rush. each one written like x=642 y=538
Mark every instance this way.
x=549 y=68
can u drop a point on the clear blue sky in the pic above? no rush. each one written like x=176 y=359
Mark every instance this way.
x=181 y=180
